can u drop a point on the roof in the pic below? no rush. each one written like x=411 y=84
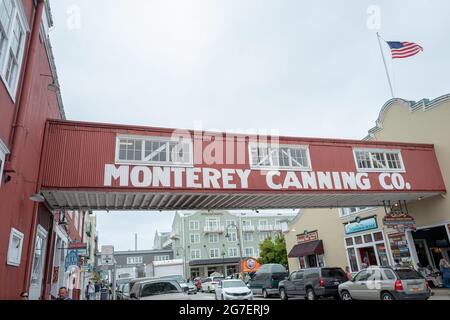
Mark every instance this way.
x=306 y=249
x=134 y=252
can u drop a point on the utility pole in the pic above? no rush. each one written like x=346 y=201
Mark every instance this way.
x=135 y=242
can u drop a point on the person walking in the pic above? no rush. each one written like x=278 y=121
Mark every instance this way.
x=444 y=267
x=90 y=291
x=97 y=290
x=63 y=294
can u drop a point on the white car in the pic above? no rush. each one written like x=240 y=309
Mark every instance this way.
x=209 y=284
x=233 y=290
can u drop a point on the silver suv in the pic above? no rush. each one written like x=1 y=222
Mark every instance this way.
x=385 y=283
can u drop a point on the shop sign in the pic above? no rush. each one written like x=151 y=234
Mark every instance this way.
x=360 y=225
x=72 y=259
x=399 y=220
x=250 y=265
x=307 y=237
x=81 y=248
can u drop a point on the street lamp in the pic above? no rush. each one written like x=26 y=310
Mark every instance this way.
x=233 y=225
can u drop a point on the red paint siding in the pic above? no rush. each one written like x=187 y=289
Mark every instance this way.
x=77 y=153
x=15 y=207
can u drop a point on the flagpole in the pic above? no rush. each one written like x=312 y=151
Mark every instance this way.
x=385 y=66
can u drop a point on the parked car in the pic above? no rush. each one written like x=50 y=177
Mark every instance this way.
x=233 y=289
x=386 y=283
x=183 y=283
x=313 y=283
x=158 y=289
x=265 y=281
x=209 y=284
x=123 y=291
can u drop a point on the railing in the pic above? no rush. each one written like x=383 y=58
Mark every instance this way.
x=267 y=227
x=248 y=228
x=167 y=243
x=212 y=229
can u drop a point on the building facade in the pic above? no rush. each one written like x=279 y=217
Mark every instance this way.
x=161 y=240
x=214 y=241
x=357 y=236
x=29 y=95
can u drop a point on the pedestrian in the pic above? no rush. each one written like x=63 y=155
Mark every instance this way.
x=97 y=290
x=348 y=273
x=63 y=294
x=24 y=295
x=444 y=267
x=90 y=291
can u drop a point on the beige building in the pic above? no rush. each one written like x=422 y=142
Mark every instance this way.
x=357 y=236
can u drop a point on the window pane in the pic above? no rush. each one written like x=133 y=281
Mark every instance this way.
x=349 y=241
x=378 y=160
x=6 y=8
x=378 y=236
x=382 y=255
x=352 y=258
x=367 y=238
x=358 y=240
x=363 y=160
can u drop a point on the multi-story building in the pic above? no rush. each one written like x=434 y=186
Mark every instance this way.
x=356 y=236
x=161 y=240
x=214 y=241
x=29 y=95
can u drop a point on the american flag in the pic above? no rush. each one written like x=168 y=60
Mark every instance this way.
x=401 y=50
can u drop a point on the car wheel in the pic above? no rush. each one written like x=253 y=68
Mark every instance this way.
x=310 y=295
x=345 y=295
x=265 y=294
x=387 y=296
x=283 y=295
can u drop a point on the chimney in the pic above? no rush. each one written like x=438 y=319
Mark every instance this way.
x=135 y=241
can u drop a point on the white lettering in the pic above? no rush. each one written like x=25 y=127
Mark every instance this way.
x=362 y=180
x=291 y=180
x=227 y=177
x=349 y=180
x=382 y=179
x=324 y=180
x=243 y=175
x=112 y=172
x=337 y=181
x=192 y=177
x=211 y=177
x=135 y=174
x=309 y=180
x=178 y=177
x=161 y=177
x=397 y=181
x=270 y=182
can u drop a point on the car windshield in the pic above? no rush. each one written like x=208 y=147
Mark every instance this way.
x=178 y=278
x=278 y=268
x=333 y=273
x=408 y=274
x=218 y=278
x=233 y=284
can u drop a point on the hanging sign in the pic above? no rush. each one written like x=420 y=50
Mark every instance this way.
x=399 y=220
x=71 y=259
x=250 y=265
x=360 y=225
x=307 y=237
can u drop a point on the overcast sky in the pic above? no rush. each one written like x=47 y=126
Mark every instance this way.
x=303 y=68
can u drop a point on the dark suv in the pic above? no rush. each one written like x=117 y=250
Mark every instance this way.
x=313 y=283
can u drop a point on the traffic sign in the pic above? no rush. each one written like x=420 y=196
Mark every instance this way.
x=107 y=255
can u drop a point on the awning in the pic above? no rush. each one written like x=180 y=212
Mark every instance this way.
x=204 y=262
x=306 y=249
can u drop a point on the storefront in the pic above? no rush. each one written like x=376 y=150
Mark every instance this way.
x=309 y=250
x=430 y=244
x=365 y=244
x=205 y=267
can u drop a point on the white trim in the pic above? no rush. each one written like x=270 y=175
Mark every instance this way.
x=153 y=163
x=354 y=214
x=18 y=13
x=214 y=249
x=15 y=233
x=384 y=151
x=197 y=222
x=196 y=236
x=278 y=167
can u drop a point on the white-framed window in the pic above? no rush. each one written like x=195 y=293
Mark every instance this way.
x=248 y=236
x=212 y=224
x=214 y=253
x=233 y=252
x=232 y=237
x=257 y=253
x=3 y=152
x=195 y=254
x=15 y=247
x=249 y=251
x=137 y=259
x=246 y=223
x=281 y=157
x=345 y=212
x=13 y=31
x=264 y=235
x=195 y=237
x=154 y=151
x=278 y=223
x=213 y=238
x=230 y=223
x=378 y=160
x=164 y=257
x=194 y=225
x=263 y=223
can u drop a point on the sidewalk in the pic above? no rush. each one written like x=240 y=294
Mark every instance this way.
x=441 y=294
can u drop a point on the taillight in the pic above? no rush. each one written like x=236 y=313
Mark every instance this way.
x=321 y=282
x=398 y=285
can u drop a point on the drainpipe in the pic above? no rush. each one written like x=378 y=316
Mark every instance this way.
x=49 y=258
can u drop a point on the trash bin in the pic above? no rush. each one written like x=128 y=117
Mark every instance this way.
x=104 y=294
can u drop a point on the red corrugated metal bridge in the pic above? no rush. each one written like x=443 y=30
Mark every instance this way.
x=116 y=167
